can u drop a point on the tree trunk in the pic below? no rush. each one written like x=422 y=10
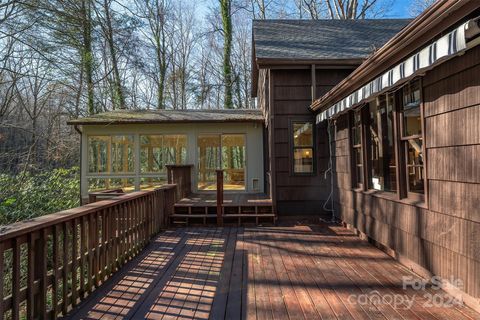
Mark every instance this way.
x=227 y=52
x=118 y=99
x=87 y=52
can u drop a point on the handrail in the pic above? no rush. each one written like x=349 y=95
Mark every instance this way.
x=50 y=263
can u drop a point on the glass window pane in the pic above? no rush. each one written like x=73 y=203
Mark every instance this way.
x=122 y=154
x=151 y=157
x=376 y=150
x=157 y=151
x=303 y=160
x=357 y=128
x=100 y=184
x=175 y=149
x=415 y=166
x=208 y=161
x=99 y=154
x=233 y=161
x=150 y=183
x=357 y=158
x=381 y=148
x=411 y=109
x=303 y=134
x=389 y=145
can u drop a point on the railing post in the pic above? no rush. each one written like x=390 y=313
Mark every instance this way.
x=219 y=197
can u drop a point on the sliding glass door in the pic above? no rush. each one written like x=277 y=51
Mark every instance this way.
x=226 y=151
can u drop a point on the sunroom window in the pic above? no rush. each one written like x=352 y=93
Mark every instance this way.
x=111 y=154
x=111 y=162
x=157 y=151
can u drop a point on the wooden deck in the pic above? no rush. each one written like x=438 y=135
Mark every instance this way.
x=302 y=272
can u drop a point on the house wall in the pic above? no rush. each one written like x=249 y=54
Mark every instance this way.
x=289 y=95
x=254 y=145
x=441 y=237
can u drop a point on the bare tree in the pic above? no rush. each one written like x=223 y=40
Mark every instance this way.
x=155 y=12
x=106 y=23
x=418 y=6
x=227 y=31
x=341 y=9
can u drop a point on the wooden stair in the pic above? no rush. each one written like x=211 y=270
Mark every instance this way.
x=206 y=213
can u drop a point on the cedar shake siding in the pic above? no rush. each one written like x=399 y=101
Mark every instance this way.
x=298 y=194
x=441 y=236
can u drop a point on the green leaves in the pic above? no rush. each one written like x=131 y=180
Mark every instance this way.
x=29 y=196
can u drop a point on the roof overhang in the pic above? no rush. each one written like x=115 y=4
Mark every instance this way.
x=129 y=117
x=431 y=24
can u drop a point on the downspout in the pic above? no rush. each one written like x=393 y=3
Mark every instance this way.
x=80 y=166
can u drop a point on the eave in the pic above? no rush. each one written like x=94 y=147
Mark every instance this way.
x=430 y=24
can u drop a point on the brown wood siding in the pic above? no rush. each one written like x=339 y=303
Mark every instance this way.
x=292 y=94
x=443 y=236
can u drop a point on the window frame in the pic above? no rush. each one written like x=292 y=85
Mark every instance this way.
x=292 y=147
x=368 y=143
x=403 y=144
x=110 y=174
x=357 y=182
x=400 y=148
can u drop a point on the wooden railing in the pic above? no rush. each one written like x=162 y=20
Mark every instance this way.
x=49 y=264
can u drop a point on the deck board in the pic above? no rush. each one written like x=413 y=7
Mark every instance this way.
x=287 y=272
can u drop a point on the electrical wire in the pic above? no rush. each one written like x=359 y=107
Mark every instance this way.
x=330 y=170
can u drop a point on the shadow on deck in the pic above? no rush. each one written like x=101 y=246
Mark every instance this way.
x=295 y=272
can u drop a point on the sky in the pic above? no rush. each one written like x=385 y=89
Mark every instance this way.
x=400 y=9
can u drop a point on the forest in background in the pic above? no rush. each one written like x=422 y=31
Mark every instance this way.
x=67 y=59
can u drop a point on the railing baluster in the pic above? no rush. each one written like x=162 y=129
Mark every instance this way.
x=55 y=256
x=117 y=237
x=16 y=279
x=2 y=292
x=111 y=219
x=74 y=262
x=123 y=245
x=129 y=228
x=91 y=244
x=41 y=275
x=66 y=250
x=96 y=240
x=101 y=246
x=106 y=242
x=31 y=275
x=83 y=258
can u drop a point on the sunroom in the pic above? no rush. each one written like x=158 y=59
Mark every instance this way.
x=130 y=150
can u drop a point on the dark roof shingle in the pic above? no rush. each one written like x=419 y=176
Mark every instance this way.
x=170 y=116
x=322 y=39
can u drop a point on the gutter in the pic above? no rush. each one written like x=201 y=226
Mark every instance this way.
x=430 y=24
